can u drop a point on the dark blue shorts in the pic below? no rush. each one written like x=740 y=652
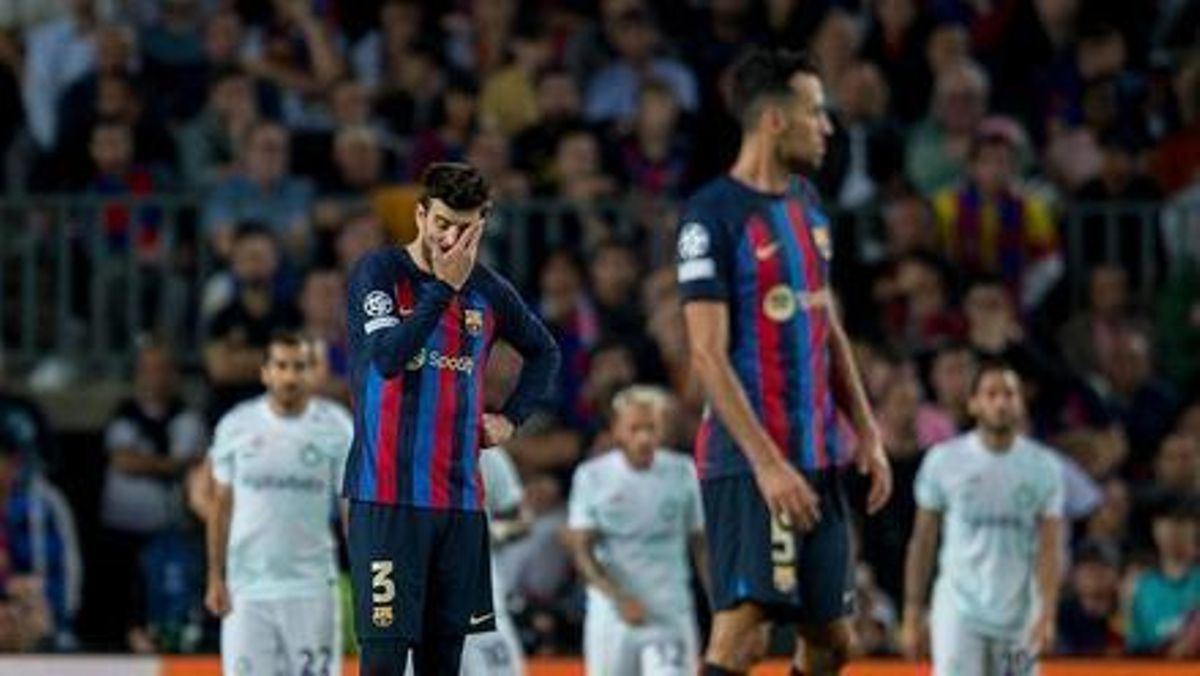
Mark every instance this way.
x=419 y=573
x=805 y=578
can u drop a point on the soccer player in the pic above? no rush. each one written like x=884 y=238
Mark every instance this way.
x=497 y=653
x=423 y=319
x=277 y=462
x=754 y=251
x=996 y=499
x=634 y=515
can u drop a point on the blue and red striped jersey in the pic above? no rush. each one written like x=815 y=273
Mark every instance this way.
x=418 y=351
x=767 y=258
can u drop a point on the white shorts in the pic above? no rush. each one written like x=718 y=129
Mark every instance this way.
x=496 y=653
x=961 y=651
x=282 y=637
x=613 y=648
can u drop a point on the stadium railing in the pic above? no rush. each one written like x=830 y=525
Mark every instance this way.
x=81 y=277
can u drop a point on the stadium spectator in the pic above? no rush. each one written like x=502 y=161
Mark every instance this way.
x=654 y=154
x=456 y=119
x=172 y=56
x=909 y=427
x=323 y=306
x=1176 y=474
x=560 y=109
x=895 y=40
x=917 y=310
x=991 y=224
x=116 y=175
x=41 y=574
x=1144 y=403
x=400 y=25
x=409 y=97
x=590 y=48
x=357 y=165
x=508 y=101
x=56 y=54
x=950 y=383
x=361 y=232
x=260 y=190
x=477 y=42
x=866 y=155
x=1092 y=330
x=207 y=145
x=239 y=331
x=1163 y=616
x=938 y=145
x=1174 y=160
x=1089 y=621
x=294 y=52
x=151 y=440
x=489 y=152
x=612 y=93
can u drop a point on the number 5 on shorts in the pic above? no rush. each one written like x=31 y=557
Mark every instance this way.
x=783 y=556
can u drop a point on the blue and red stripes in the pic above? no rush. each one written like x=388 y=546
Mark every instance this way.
x=773 y=344
x=817 y=316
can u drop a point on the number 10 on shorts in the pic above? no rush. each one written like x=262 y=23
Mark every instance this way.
x=783 y=555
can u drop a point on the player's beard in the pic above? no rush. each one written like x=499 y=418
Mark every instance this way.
x=793 y=163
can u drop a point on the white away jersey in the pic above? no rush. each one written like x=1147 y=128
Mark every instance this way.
x=285 y=474
x=642 y=520
x=991 y=505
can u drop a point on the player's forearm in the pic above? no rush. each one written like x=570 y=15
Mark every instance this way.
x=391 y=347
x=848 y=390
x=217 y=532
x=918 y=566
x=728 y=398
x=541 y=361
x=1049 y=565
x=132 y=462
x=593 y=571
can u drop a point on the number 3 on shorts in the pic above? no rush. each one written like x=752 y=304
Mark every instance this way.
x=383 y=588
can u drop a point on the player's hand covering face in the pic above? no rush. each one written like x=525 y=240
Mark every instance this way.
x=441 y=227
x=997 y=403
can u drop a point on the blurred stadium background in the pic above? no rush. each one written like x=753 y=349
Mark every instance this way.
x=179 y=177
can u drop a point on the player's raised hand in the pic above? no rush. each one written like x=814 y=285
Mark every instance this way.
x=872 y=461
x=454 y=266
x=787 y=494
x=216 y=597
x=497 y=429
x=914 y=636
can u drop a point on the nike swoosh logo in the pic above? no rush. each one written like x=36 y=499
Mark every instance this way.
x=765 y=251
x=405 y=311
x=476 y=620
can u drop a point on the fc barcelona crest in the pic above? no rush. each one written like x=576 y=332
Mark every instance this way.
x=381 y=616
x=473 y=321
x=822 y=241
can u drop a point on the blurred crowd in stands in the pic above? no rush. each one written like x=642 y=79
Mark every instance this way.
x=970 y=133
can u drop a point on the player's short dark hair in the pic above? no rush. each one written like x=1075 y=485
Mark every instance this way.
x=284 y=337
x=459 y=185
x=763 y=74
x=990 y=364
